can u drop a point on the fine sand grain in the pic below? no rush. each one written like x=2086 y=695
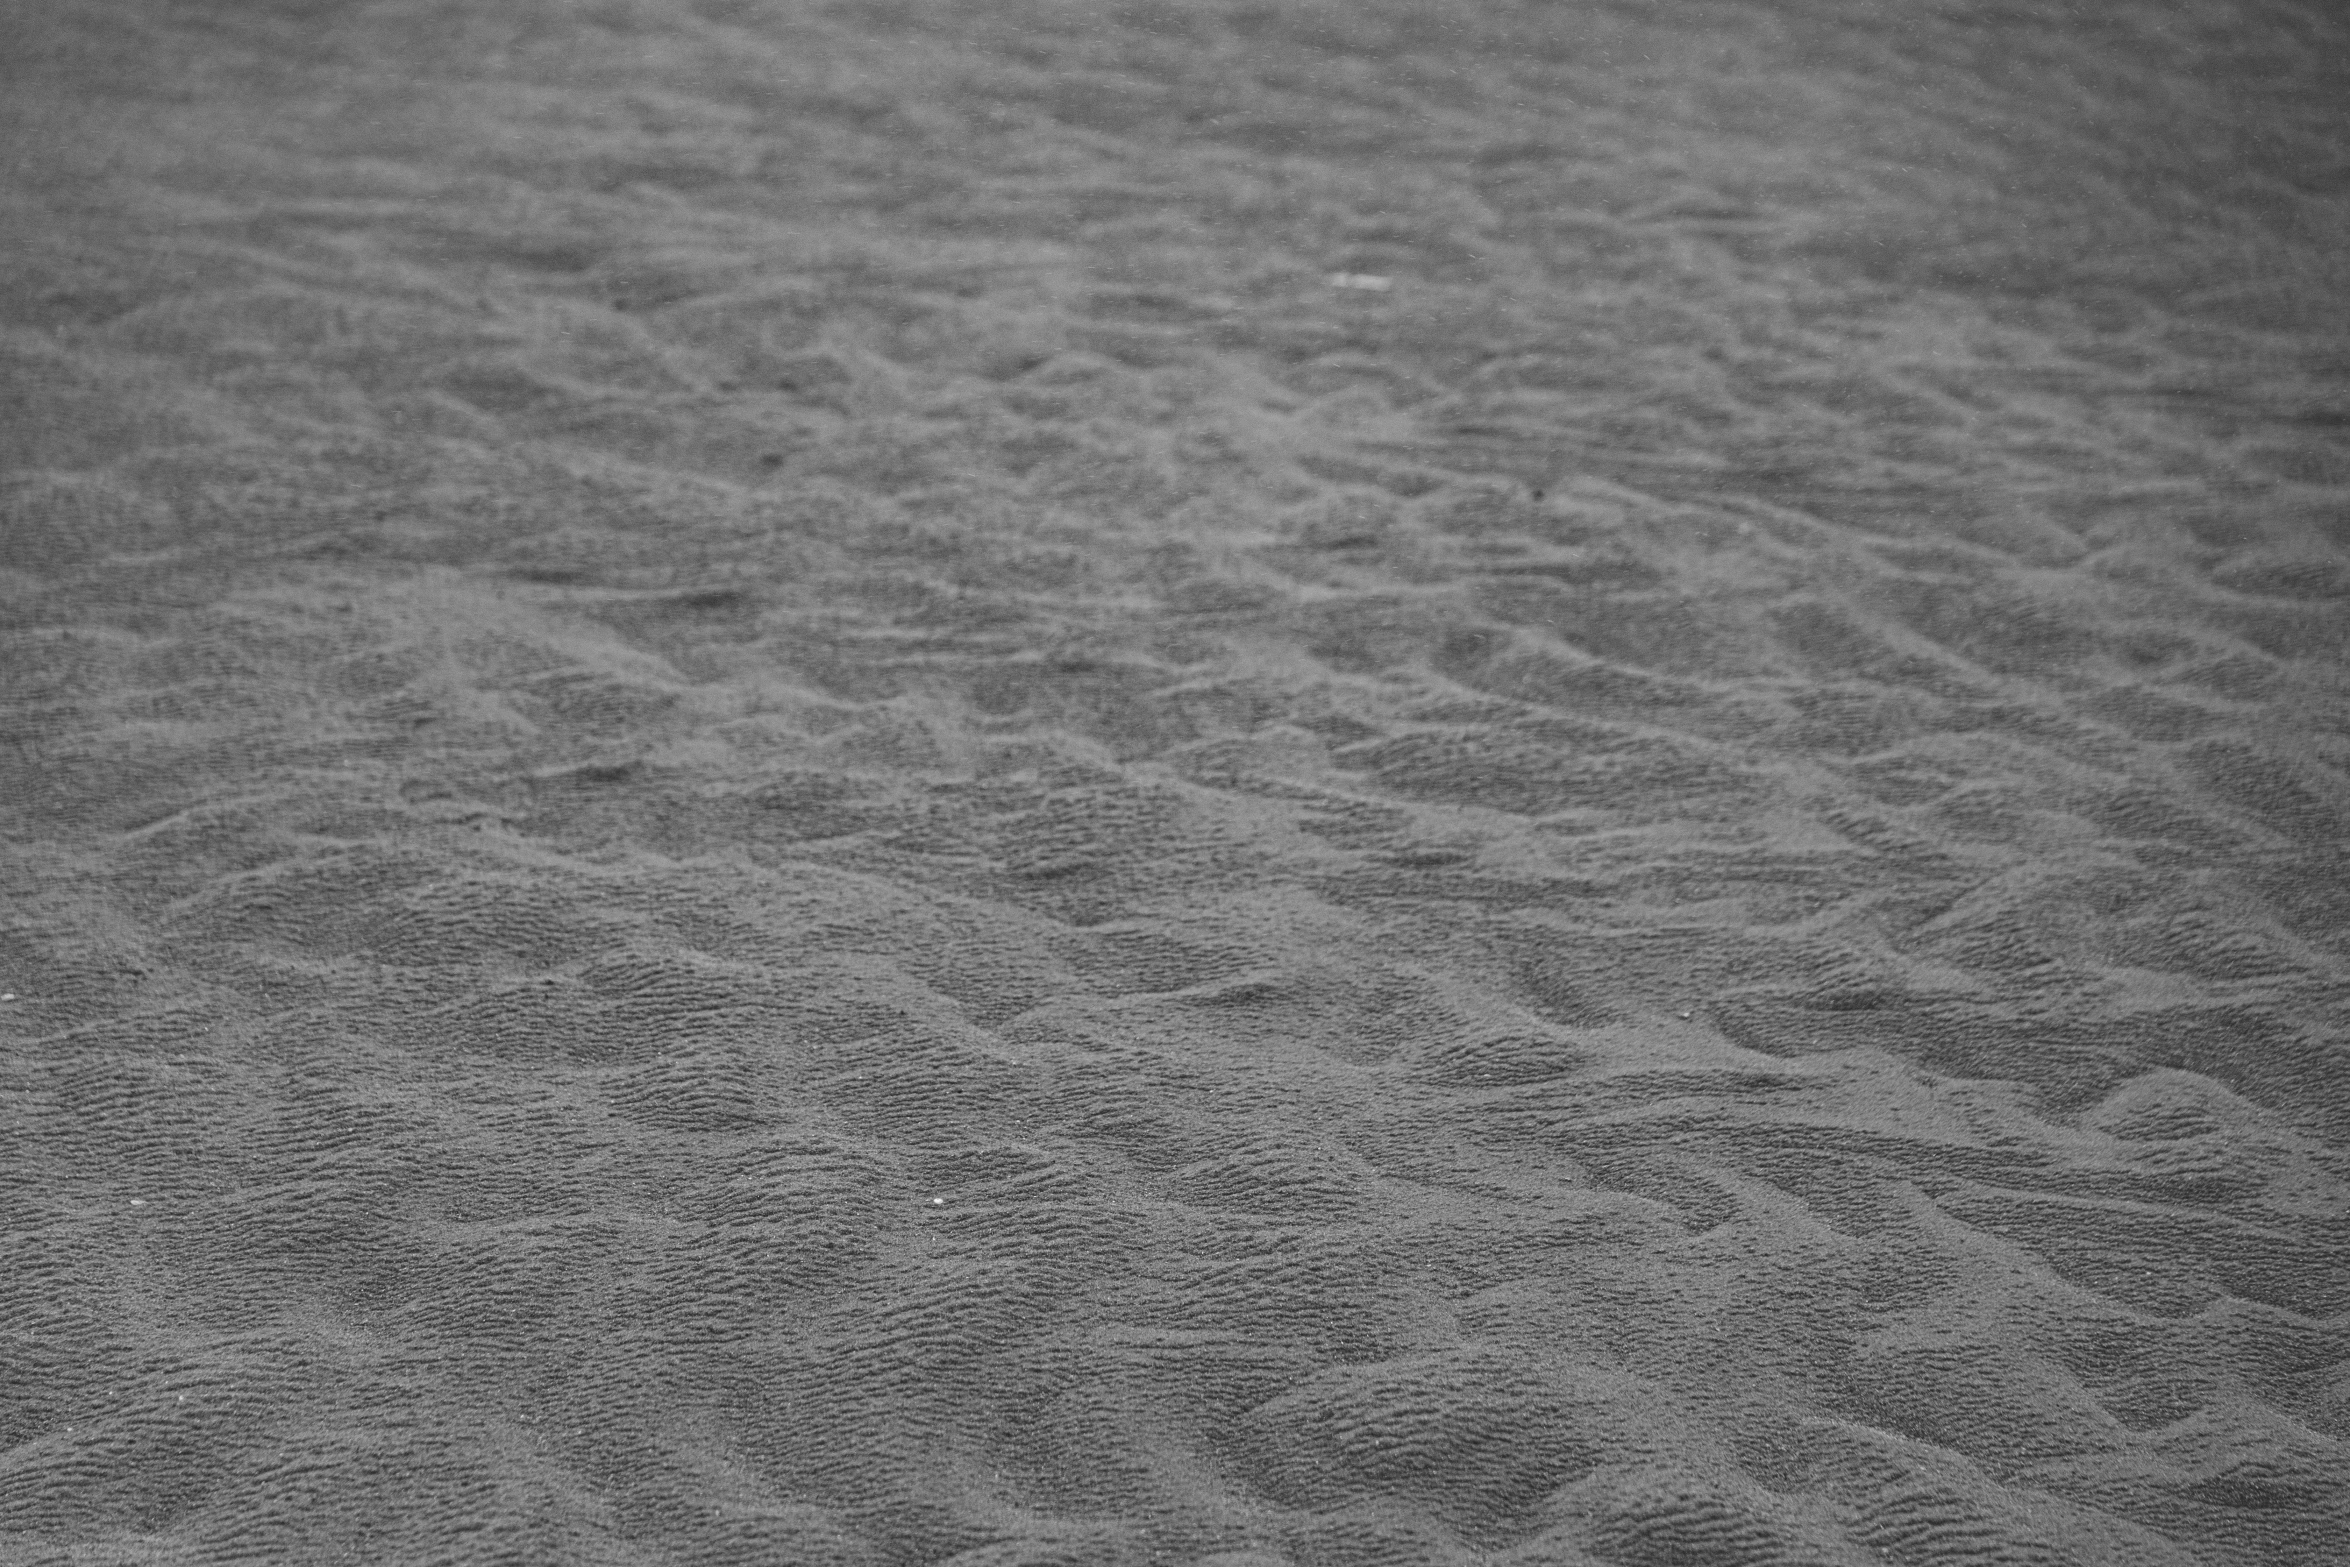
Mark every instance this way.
x=1214 y=782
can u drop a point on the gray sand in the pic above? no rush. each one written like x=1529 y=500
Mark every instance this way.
x=783 y=784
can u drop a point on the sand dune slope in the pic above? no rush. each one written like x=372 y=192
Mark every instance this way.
x=1229 y=784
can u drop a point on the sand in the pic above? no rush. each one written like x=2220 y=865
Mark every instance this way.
x=1017 y=782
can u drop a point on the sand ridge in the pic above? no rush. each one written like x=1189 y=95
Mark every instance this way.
x=772 y=798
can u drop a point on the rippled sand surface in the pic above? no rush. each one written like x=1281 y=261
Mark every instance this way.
x=1016 y=783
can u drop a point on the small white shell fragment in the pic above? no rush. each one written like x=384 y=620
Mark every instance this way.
x=938 y=1202
x=138 y=1202
x=1369 y=282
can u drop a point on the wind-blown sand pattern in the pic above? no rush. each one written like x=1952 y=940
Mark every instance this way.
x=771 y=798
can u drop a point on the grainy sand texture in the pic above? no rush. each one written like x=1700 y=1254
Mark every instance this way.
x=1236 y=783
